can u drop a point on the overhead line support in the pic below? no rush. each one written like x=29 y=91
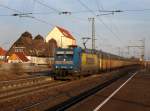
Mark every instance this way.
x=93 y=32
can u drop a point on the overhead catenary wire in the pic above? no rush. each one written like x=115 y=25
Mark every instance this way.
x=45 y=5
x=72 y=12
x=114 y=25
x=6 y=15
x=27 y=15
x=1 y=5
x=100 y=20
x=65 y=12
x=136 y=10
x=54 y=9
x=103 y=12
x=22 y=14
x=58 y=11
x=101 y=4
x=97 y=4
x=43 y=21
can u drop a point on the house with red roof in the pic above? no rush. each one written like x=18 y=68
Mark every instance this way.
x=18 y=57
x=25 y=48
x=61 y=37
x=2 y=54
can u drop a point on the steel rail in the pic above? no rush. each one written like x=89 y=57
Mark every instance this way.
x=27 y=90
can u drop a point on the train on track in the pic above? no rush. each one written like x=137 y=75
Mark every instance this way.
x=78 y=61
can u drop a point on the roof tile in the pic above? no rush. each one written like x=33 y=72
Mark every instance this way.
x=2 y=52
x=22 y=56
x=65 y=33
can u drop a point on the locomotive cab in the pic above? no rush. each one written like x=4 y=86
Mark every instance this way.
x=67 y=60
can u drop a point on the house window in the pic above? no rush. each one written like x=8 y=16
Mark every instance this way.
x=18 y=50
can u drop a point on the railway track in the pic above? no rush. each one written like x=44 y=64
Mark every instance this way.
x=17 y=88
x=73 y=100
x=13 y=84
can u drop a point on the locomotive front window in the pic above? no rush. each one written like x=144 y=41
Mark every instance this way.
x=68 y=57
x=59 y=57
x=62 y=57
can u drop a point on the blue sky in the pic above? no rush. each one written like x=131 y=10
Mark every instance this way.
x=128 y=26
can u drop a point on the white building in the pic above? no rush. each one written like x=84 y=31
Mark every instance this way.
x=62 y=37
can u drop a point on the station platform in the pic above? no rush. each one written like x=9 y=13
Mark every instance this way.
x=131 y=93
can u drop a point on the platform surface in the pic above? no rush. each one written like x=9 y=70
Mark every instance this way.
x=132 y=96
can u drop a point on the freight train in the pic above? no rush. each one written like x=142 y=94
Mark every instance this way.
x=78 y=61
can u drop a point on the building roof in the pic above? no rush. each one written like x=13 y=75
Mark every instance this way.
x=2 y=52
x=65 y=32
x=19 y=55
x=31 y=46
x=22 y=56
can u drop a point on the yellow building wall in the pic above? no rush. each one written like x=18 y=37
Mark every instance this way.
x=61 y=40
